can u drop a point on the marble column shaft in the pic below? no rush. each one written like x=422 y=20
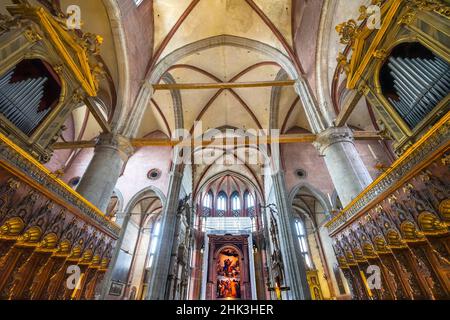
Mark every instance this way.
x=294 y=266
x=347 y=170
x=157 y=286
x=102 y=173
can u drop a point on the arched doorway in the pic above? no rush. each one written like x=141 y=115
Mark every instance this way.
x=310 y=212
x=141 y=222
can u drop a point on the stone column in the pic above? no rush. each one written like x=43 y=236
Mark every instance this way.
x=100 y=178
x=347 y=171
x=157 y=286
x=204 y=273
x=251 y=261
x=173 y=279
x=295 y=271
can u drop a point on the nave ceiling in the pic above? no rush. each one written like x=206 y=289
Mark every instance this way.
x=176 y=24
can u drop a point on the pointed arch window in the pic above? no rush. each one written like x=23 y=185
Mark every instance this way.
x=249 y=204
x=221 y=206
x=235 y=204
x=207 y=204
x=250 y=201
x=301 y=235
x=207 y=200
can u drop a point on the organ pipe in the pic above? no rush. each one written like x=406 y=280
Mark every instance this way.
x=420 y=85
x=20 y=101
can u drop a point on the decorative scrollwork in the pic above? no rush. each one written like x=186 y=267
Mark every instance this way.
x=348 y=31
x=414 y=6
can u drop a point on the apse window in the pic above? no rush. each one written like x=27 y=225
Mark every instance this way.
x=301 y=235
x=235 y=204
x=249 y=200
x=154 y=244
x=249 y=204
x=207 y=200
x=221 y=204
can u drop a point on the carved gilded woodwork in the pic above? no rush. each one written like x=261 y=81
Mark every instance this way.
x=400 y=223
x=430 y=148
x=19 y=163
x=416 y=21
x=32 y=32
x=73 y=50
x=45 y=227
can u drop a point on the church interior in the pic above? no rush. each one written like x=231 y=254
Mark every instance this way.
x=224 y=150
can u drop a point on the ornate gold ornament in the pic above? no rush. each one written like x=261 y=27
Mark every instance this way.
x=431 y=224
x=72 y=49
x=348 y=31
x=356 y=36
x=380 y=54
x=78 y=96
x=32 y=35
x=427 y=146
x=444 y=209
x=12 y=227
x=343 y=62
x=446 y=160
x=424 y=5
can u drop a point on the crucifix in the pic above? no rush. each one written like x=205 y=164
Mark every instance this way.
x=278 y=289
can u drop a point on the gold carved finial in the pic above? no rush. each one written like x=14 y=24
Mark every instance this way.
x=91 y=42
x=408 y=187
x=78 y=96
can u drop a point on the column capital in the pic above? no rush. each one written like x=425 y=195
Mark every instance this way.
x=116 y=141
x=331 y=136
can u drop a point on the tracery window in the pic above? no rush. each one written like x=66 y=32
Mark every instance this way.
x=207 y=204
x=235 y=204
x=249 y=200
x=207 y=200
x=249 y=204
x=301 y=235
x=221 y=206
